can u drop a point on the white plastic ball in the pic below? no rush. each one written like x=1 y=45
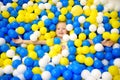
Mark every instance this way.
x=92 y=28
x=10 y=53
x=21 y=77
x=101 y=25
x=44 y=17
x=2 y=41
x=100 y=14
x=73 y=36
x=83 y=2
x=114 y=30
x=117 y=62
x=44 y=1
x=30 y=3
x=41 y=6
x=8 y=5
x=81 y=19
x=46 y=75
x=99 y=47
x=99 y=19
x=42 y=63
x=106 y=76
x=96 y=73
x=24 y=45
x=100 y=30
x=24 y=6
x=33 y=37
x=110 y=6
x=93 y=7
x=85 y=74
x=65 y=53
x=1 y=72
x=55 y=1
x=15 y=73
x=96 y=2
x=21 y=68
x=90 y=78
x=103 y=1
x=37 y=33
x=8 y=69
x=15 y=0
x=3 y=8
x=105 y=62
x=16 y=58
x=59 y=5
x=69 y=27
x=66 y=37
x=55 y=60
x=46 y=57
x=85 y=7
x=116 y=45
x=1 y=4
x=117 y=7
x=47 y=5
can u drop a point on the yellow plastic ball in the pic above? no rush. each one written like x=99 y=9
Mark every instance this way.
x=36 y=70
x=43 y=30
x=62 y=18
x=30 y=47
x=114 y=70
x=114 y=37
x=52 y=53
x=94 y=13
x=50 y=15
x=13 y=48
x=79 y=50
x=64 y=61
x=1 y=62
x=82 y=36
x=5 y=14
x=80 y=58
x=30 y=9
x=20 y=18
x=78 y=42
x=87 y=12
x=53 y=34
x=69 y=8
x=92 y=49
x=71 y=2
x=14 y=4
x=106 y=35
x=41 y=24
x=7 y=62
x=41 y=37
x=92 y=35
x=37 y=0
x=47 y=36
x=76 y=10
x=11 y=19
x=106 y=14
x=57 y=48
x=115 y=24
x=3 y=55
x=85 y=50
x=117 y=77
x=32 y=17
x=60 y=78
x=114 y=14
x=33 y=55
x=49 y=42
x=64 y=10
x=20 y=30
x=89 y=61
x=37 y=11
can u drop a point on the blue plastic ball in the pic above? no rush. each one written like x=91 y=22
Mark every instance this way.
x=90 y=68
x=90 y=55
x=108 y=49
x=105 y=19
x=26 y=36
x=62 y=68
x=64 y=3
x=67 y=75
x=28 y=74
x=45 y=48
x=107 y=26
x=111 y=62
x=97 y=40
x=116 y=52
x=76 y=77
x=4 y=47
x=100 y=7
x=7 y=39
x=1 y=17
x=21 y=51
x=98 y=64
x=18 y=8
x=76 y=2
x=6 y=77
x=76 y=18
x=47 y=22
x=57 y=13
x=4 y=30
x=69 y=15
x=69 y=21
x=10 y=9
x=37 y=47
x=15 y=24
x=55 y=20
x=72 y=50
x=6 y=1
x=56 y=72
x=100 y=55
x=53 y=9
x=86 y=43
x=43 y=12
x=57 y=40
x=49 y=67
x=40 y=53
x=77 y=30
x=76 y=24
x=12 y=33
x=108 y=56
x=14 y=13
x=119 y=13
x=14 y=78
x=16 y=63
x=70 y=43
x=36 y=77
x=29 y=62
x=86 y=25
x=52 y=27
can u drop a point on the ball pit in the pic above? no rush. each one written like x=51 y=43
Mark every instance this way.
x=72 y=57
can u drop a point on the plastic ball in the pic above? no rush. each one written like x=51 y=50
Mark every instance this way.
x=81 y=19
x=100 y=30
x=16 y=58
x=65 y=53
x=21 y=68
x=33 y=37
x=21 y=77
x=85 y=49
x=42 y=63
x=100 y=55
x=100 y=8
x=117 y=62
x=77 y=30
x=59 y=4
x=64 y=61
x=28 y=74
x=96 y=73
x=78 y=42
x=106 y=76
x=88 y=61
x=114 y=37
x=98 y=64
x=57 y=40
x=99 y=47
x=28 y=62
x=16 y=63
x=55 y=60
x=36 y=70
x=115 y=24
x=114 y=30
x=36 y=77
x=76 y=10
x=8 y=69
x=80 y=58
x=43 y=30
x=5 y=14
x=44 y=17
x=115 y=52
x=85 y=73
x=47 y=5
x=73 y=36
x=4 y=47
x=10 y=53
x=1 y=72
x=37 y=33
x=67 y=74
x=69 y=27
x=12 y=33
x=106 y=35
x=92 y=28
x=2 y=41
x=62 y=18
x=99 y=19
x=41 y=6
x=66 y=37
x=90 y=78
x=55 y=72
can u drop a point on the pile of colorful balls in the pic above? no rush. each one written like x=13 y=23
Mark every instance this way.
x=34 y=20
